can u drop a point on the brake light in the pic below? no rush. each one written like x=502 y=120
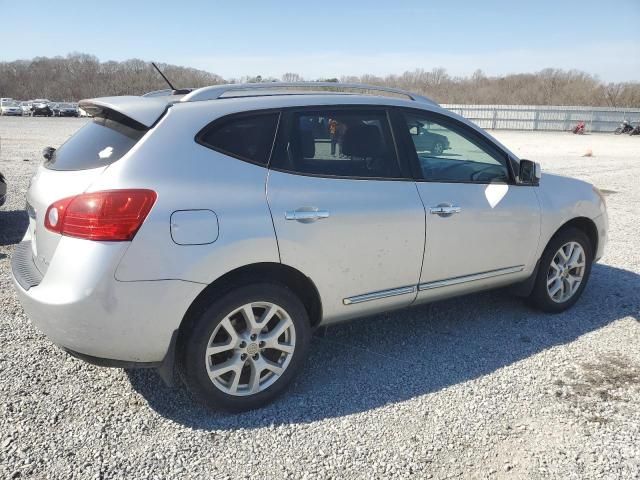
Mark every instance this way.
x=112 y=215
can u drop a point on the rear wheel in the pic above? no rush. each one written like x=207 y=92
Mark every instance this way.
x=563 y=272
x=438 y=148
x=618 y=131
x=243 y=351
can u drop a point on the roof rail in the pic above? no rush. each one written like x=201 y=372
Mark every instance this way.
x=215 y=92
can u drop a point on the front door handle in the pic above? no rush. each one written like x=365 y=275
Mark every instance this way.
x=306 y=215
x=445 y=210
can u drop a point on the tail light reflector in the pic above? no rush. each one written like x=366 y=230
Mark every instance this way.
x=112 y=215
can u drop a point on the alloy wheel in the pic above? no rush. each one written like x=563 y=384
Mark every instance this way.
x=566 y=272
x=250 y=348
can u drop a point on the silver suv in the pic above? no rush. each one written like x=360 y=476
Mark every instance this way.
x=215 y=230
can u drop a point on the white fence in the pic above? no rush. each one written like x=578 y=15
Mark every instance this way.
x=533 y=117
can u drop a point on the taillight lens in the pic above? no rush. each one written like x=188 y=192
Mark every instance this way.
x=113 y=215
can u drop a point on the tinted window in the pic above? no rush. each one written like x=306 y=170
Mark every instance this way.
x=448 y=154
x=249 y=137
x=345 y=143
x=99 y=143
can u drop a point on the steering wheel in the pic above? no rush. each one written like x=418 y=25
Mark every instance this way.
x=369 y=163
x=476 y=175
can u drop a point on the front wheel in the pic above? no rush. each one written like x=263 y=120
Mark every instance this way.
x=245 y=348
x=563 y=272
x=618 y=131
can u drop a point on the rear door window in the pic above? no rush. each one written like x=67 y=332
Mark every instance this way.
x=97 y=144
x=344 y=142
x=247 y=137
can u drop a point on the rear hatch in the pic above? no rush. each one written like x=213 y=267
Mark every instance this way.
x=73 y=168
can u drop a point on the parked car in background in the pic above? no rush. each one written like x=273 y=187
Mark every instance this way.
x=64 y=110
x=3 y=189
x=26 y=108
x=41 y=110
x=428 y=141
x=217 y=230
x=10 y=107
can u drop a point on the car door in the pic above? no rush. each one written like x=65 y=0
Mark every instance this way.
x=344 y=212
x=482 y=229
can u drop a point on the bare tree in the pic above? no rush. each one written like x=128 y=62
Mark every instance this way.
x=292 y=77
x=612 y=92
x=79 y=75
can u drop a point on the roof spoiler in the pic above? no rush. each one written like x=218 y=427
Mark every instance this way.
x=140 y=113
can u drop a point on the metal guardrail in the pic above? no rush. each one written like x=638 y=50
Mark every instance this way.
x=550 y=118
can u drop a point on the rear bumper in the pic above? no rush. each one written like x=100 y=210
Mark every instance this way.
x=81 y=307
x=110 y=363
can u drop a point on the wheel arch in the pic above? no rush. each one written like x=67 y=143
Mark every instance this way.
x=288 y=276
x=584 y=224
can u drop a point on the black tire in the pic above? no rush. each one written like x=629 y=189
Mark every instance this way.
x=540 y=297
x=618 y=131
x=198 y=330
x=438 y=148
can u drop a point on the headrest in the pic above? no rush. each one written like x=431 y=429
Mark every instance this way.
x=362 y=141
x=307 y=145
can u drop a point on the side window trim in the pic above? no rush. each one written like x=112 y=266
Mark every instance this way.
x=285 y=124
x=474 y=137
x=232 y=116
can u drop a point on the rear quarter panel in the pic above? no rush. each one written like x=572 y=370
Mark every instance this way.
x=187 y=176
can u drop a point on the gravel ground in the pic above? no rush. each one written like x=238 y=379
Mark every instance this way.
x=478 y=387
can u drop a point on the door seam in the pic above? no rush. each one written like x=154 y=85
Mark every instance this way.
x=273 y=224
x=424 y=241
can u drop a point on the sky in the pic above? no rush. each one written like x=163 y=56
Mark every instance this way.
x=332 y=38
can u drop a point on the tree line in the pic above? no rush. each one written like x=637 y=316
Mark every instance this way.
x=80 y=75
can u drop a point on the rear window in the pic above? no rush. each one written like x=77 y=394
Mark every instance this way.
x=247 y=137
x=97 y=144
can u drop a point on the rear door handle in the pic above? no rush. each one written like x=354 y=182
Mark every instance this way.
x=306 y=215
x=445 y=210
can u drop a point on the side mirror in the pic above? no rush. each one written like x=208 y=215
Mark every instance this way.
x=47 y=152
x=529 y=173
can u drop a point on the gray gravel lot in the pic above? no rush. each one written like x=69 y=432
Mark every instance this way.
x=478 y=387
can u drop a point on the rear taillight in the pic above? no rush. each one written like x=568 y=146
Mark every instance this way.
x=113 y=215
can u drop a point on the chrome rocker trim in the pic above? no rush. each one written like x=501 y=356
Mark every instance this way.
x=378 y=295
x=470 y=278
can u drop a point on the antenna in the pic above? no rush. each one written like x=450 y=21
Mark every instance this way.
x=175 y=91
x=162 y=75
